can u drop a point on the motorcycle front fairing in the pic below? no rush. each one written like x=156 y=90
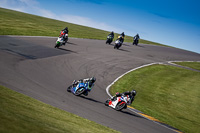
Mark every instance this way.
x=109 y=37
x=113 y=104
x=80 y=85
x=60 y=40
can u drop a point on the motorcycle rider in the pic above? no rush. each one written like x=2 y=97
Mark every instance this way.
x=110 y=39
x=66 y=30
x=136 y=39
x=123 y=34
x=121 y=37
x=63 y=33
x=111 y=34
x=90 y=83
x=130 y=94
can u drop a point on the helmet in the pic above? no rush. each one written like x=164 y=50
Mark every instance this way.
x=133 y=92
x=93 y=79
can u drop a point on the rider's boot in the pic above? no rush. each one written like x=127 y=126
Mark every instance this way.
x=86 y=93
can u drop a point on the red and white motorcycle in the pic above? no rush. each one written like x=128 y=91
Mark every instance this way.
x=119 y=103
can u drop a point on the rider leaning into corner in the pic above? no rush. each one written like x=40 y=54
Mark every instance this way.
x=121 y=37
x=136 y=37
x=130 y=94
x=111 y=34
x=64 y=32
x=90 y=83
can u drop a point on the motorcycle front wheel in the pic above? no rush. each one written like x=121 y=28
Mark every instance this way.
x=79 y=91
x=57 y=45
x=120 y=106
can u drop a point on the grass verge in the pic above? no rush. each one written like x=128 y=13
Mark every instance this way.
x=18 y=23
x=193 y=65
x=22 y=114
x=167 y=93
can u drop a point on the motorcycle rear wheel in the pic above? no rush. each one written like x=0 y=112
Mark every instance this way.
x=66 y=40
x=107 y=102
x=69 y=88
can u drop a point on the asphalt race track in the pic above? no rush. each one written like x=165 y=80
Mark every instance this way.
x=32 y=66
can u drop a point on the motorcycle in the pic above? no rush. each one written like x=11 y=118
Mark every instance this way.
x=80 y=88
x=118 y=103
x=135 y=42
x=109 y=39
x=118 y=44
x=61 y=41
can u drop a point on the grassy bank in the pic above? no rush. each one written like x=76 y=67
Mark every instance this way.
x=194 y=65
x=22 y=114
x=167 y=93
x=18 y=23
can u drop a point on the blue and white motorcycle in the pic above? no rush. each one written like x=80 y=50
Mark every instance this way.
x=79 y=88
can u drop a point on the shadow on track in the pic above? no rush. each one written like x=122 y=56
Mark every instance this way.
x=120 y=47
x=132 y=114
x=111 y=44
x=67 y=50
x=139 y=46
x=87 y=98
x=128 y=45
x=71 y=43
x=123 y=50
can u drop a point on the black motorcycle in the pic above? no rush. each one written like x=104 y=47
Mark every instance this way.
x=109 y=39
x=135 y=42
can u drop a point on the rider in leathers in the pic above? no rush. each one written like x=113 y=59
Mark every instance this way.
x=136 y=38
x=131 y=95
x=63 y=33
x=121 y=37
x=111 y=34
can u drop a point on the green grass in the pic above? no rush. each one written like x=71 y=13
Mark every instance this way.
x=193 y=65
x=168 y=93
x=22 y=114
x=18 y=23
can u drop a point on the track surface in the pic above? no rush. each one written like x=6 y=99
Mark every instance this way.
x=32 y=66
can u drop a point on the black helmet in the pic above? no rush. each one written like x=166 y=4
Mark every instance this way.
x=133 y=92
x=93 y=79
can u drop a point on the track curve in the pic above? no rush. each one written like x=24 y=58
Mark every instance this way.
x=32 y=66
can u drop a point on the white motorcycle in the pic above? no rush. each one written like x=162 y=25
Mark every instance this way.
x=61 y=41
x=119 y=103
x=118 y=44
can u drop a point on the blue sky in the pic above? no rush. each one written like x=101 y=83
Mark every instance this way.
x=171 y=22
